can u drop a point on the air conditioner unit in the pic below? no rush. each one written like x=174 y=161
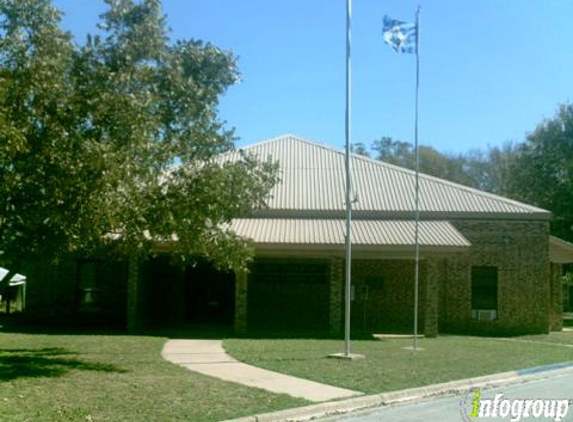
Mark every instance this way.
x=486 y=315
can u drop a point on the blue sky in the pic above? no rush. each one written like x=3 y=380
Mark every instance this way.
x=490 y=70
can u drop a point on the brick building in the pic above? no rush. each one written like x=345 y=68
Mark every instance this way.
x=487 y=263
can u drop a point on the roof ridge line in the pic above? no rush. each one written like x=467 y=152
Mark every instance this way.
x=286 y=136
x=404 y=170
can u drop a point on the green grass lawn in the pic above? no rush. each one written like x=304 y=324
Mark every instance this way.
x=93 y=378
x=388 y=367
x=562 y=337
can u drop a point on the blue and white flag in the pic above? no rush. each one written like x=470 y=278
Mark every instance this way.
x=402 y=36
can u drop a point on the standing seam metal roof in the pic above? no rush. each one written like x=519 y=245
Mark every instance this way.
x=332 y=232
x=312 y=179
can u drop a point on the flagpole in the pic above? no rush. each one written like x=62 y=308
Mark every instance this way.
x=417 y=189
x=348 y=200
x=348 y=245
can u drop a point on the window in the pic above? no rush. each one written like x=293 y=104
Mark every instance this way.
x=88 y=293
x=291 y=271
x=484 y=293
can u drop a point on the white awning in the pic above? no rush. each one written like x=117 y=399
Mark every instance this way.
x=16 y=280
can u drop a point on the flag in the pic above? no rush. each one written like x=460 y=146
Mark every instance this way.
x=402 y=36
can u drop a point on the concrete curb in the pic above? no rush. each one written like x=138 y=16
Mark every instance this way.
x=340 y=407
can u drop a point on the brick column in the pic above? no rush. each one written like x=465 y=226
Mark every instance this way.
x=241 y=287
x=555 y=298
x=431 y=298
x=177 y=280
x=133 y=317
x=336 y=294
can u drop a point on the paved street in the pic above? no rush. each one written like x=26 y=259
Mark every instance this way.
x=448 y=409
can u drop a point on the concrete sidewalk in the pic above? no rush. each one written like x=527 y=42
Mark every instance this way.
x=209 y=358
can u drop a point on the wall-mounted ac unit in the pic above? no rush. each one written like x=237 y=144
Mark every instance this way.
x=485 y=314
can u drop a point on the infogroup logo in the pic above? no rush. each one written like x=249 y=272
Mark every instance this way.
x=474 y=407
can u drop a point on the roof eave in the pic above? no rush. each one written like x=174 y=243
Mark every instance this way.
x=358 y=251
x=399 y=215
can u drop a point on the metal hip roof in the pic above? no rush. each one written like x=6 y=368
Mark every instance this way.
x=312 y=184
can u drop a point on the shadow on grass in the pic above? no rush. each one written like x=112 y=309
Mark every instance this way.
x=46 y=362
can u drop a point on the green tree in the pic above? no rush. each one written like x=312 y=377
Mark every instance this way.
x=90 y=134
x=538 y=171
x=360 y=149
x=487 y=170
x=492 y=170
x=395 y=152
x=542 y=172
x=432 y=162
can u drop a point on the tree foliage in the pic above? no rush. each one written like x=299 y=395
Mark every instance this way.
x=486 y=170
x=89 y=135
x=538 y=171
x=431 y=161
x=360 y=149
x=542 y=172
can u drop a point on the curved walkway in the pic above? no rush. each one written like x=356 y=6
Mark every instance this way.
x=209 y=358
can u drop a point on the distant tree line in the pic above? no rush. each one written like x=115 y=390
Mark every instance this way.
x=537 y=171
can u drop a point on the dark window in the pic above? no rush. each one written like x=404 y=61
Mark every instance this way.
x=370 y=285
x=484 y=288
x=292 y=272
x=88 y=292
x=288 y=294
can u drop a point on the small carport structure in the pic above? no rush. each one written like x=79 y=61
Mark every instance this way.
x=560 y=253
x=12 y=289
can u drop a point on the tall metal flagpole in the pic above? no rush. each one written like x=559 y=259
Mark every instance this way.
x=417 y=194
x=348 y=245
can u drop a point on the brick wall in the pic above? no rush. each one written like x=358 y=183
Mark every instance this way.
x=454 y=305
x=389 y=306
x=556 y=298
x=241 y=308
x=336 y=292
x=52 y=295
x=520 y=252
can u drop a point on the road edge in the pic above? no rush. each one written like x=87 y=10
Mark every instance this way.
x=341 y=407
